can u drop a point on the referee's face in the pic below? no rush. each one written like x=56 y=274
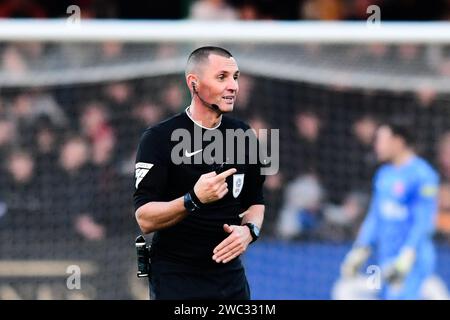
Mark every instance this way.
x=219 y=82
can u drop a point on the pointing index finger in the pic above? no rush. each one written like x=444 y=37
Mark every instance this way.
x=226 y=174
x=210 y=174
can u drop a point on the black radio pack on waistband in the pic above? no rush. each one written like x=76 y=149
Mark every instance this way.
x=143 y=257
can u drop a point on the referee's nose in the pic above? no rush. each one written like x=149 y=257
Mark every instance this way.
x=232 y=86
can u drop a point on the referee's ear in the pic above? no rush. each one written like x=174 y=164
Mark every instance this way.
x=191 y=81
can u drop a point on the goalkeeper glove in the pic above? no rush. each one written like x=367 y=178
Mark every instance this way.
x=354 y=260
x=396 y=272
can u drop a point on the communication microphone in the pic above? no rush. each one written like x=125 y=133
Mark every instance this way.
x=212 y=106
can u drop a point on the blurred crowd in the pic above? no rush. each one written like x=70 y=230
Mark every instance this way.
x=231 y=9
x=67 y=154
x=67 y=151
x=429 y=64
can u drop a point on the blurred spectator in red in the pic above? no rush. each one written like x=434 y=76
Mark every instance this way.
x=21 y=9
x=322 y=10
x=102 y=150
x=108 y=194
x=357 y=9
x=94 y=123
x=248 y=10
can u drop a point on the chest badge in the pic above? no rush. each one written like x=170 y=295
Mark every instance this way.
x=399 y=188
x=238 y=183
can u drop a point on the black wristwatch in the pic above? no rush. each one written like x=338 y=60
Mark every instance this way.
x=191 y=202
x=254 y=231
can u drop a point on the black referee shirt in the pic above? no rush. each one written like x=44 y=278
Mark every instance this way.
x=192 y=240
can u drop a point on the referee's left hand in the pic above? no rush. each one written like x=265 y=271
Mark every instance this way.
x=234 y=245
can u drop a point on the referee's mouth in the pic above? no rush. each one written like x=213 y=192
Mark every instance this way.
x=229 y=99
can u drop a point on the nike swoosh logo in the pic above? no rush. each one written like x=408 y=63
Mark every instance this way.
x=190 y=154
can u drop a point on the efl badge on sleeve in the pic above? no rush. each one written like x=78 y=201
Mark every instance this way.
x=142 y=169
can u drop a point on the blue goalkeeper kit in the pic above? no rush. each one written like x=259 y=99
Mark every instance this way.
x=401 y=215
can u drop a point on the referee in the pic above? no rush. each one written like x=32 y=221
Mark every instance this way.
x=204 y=213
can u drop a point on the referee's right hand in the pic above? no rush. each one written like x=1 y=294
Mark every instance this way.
x=211 y=186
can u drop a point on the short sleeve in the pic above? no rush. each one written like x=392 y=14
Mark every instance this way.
x=151 y=168
x=252 y=192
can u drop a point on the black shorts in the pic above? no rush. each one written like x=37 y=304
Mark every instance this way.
x=173 y=281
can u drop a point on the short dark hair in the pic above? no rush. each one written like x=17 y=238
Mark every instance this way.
x=201 y=54
x=401 y=127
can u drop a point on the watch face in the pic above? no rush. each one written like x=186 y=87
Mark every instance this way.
x=256 y=230
x=188 y=204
